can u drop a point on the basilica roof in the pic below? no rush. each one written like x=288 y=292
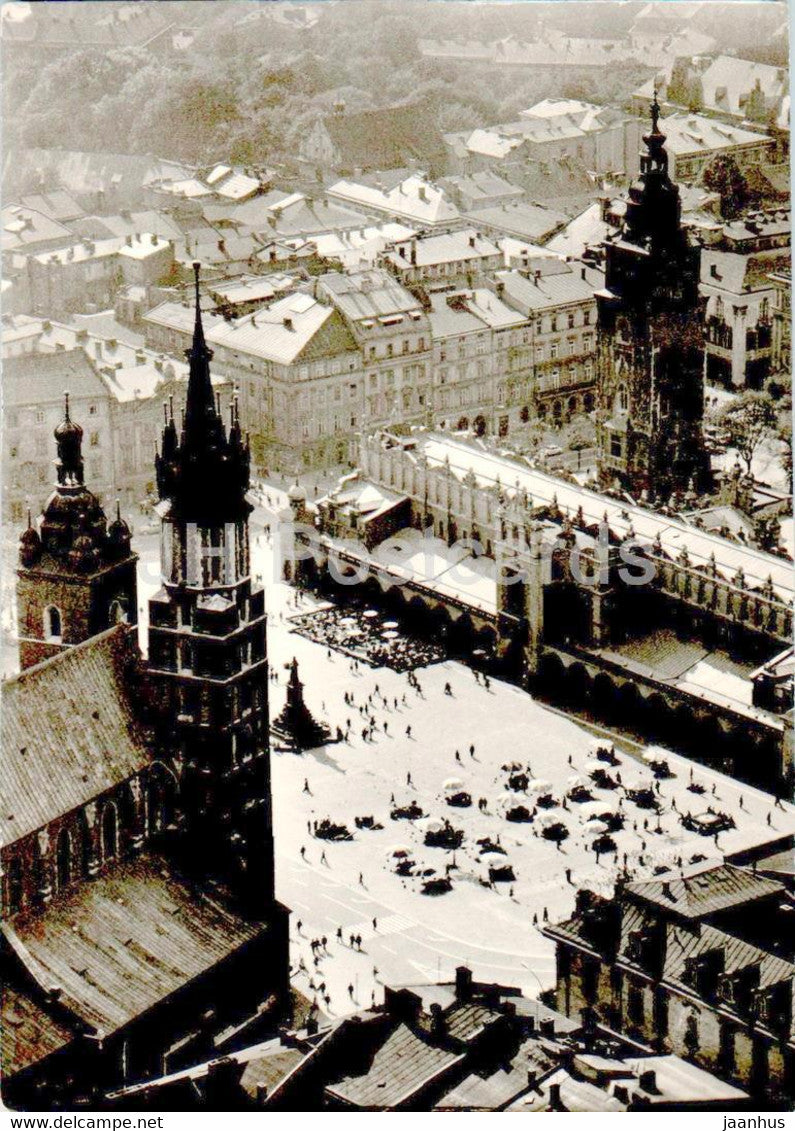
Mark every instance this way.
x=69 y=732
x=120 y=945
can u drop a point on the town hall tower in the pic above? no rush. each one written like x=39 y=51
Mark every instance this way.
x=650 y=389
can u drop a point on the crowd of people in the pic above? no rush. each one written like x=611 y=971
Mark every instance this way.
x=369 y=636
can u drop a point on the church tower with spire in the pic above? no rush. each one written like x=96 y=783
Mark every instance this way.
x=650 y=385
x=207 y=661
x=77 y=573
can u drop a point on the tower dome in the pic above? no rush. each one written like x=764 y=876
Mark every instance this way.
x=29 y=544
x=119 y=534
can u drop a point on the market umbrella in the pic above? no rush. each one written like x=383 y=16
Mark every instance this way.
x=453 y=783
x=538 y=785
x=594 y=825
x=431 y=825
x=390 y=634
x=369 y=613
x=390 y=624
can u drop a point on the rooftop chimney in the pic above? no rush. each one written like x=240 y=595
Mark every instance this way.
x=554 y=1097
x=288 y=323
x=648 y=1080
x=463 y=983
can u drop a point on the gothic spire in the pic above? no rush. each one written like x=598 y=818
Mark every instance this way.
x=202 y=469
x=200 y=407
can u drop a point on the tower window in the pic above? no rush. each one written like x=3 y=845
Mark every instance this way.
x=118 y=613
x=52 y=623
x=615 y=445
x=622 y=399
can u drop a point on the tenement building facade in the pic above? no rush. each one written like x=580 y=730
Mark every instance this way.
x=699 y=965
x=141 y=930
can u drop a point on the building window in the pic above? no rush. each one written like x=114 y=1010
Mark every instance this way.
x=553 y=349
x=615 y=445
x=110 y=832
x=571 y=321
x=635 y=1004
x=92 y=410
x=53 y=626
x=94 y=440
x=118 y=613
x=16 y=885
x=622 y=399
x=63 y=859
x=39 y=417
x=586 y=318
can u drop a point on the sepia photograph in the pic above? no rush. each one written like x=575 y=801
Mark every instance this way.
x=396 y=619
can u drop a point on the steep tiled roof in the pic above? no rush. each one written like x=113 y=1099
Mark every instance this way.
x=693 y=133
x=26 y=228
x=551 y=290
x=29 y=1032
x=413 y=199
x=385 y=138
x=466 y=1019
x=526 y=221
x=707 y=892
x=367 y=294
x=682 y=944
x=69 y=732
x=37 y=378
x=118 y=946
x=57 y=205
x=445 y=247
x=402 y=1064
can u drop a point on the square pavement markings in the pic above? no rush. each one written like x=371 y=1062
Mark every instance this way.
x=389 y=925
